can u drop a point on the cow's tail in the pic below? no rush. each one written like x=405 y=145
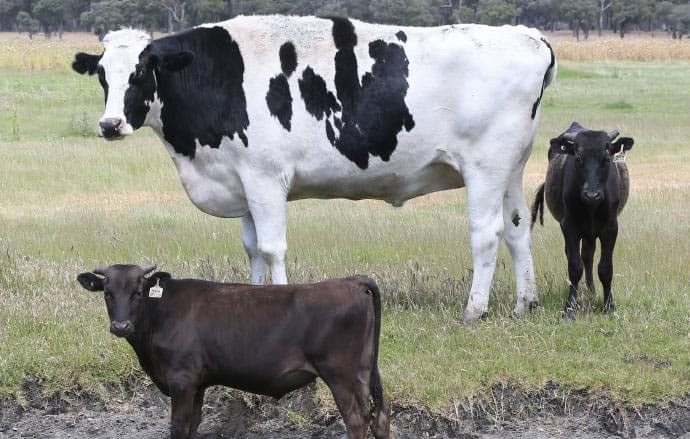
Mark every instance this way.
x=538 y=206
x=380 y=423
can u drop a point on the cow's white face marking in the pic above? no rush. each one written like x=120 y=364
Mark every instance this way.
x=121 y=55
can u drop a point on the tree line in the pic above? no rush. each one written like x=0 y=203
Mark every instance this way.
x=53 y=17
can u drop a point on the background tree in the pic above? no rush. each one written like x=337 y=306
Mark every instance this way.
x=50 y=14
x=496 y=12
x=580 y=14
x=26 y=23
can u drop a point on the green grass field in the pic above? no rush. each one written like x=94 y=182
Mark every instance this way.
x=70 y=201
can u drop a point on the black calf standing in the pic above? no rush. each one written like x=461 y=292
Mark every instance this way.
x=585 y=190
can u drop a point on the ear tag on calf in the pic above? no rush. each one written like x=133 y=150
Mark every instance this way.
x=156 y=291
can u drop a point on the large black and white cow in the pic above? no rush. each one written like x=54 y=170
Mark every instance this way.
x=258 y=111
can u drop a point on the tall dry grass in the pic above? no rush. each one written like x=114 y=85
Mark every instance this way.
x=18 y=52
x=609 y=47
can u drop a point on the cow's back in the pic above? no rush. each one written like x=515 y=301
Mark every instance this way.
x=463 y=90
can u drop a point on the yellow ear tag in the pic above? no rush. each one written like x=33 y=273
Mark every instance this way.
x=156 y=291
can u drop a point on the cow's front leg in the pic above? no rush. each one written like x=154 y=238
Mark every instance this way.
x=268 y=209
x=485 y=211
x=182 y=415
x=608 y=242
x=516 y=232
x=572 y=247
x=257 y=263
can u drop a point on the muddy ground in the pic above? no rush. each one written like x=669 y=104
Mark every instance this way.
x=141 y=412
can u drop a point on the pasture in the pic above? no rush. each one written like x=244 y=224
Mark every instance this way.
x=70 y=201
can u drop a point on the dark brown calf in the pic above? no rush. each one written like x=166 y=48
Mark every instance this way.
x=268 y=340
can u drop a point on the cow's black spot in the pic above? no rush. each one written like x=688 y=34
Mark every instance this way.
x=288 y=58
x=373 y=109
x=318 y=101
x=205 y=100
x=343 y=33
x=279 y=100
x=102 y=81
x=140 y=93
x=401 y=36
x=516 y=218
x=543 y=84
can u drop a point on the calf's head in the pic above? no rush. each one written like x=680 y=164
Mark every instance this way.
x=124 y=288
x=127 y=71
x=592 y=153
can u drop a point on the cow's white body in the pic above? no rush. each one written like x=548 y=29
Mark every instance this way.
x=471 y=92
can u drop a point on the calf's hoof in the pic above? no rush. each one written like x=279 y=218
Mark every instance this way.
x=569 y=313
x=609 y=308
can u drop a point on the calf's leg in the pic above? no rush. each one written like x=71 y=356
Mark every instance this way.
x=343 y=385
x=182 y=413
x=572 y=244
x=608 y=242
x=588 y=247
x=196 y=414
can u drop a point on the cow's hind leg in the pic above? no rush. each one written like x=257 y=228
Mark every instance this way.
x=256 y=258
x=485 y=210
x=516 y=232
x=608 y=242
x=588 y=247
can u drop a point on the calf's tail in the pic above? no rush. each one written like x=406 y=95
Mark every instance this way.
x=375 y=386
x=380 y=423
x=538 y=206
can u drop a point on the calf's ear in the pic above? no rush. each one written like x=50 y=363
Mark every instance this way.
x=90 y=281
x=622 y=144
x=85 y=63
x=156 y=277
x=561 y=145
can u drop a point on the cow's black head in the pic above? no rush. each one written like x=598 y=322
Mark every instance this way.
x=127 y=72
x=125 y=289
x=592 y=152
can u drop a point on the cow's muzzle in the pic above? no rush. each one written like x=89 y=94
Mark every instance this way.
x=111 y=128
x=121 y=329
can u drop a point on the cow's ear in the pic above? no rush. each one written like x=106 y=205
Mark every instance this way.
x=85 y=63
x=90 y=281
x=561 y=145
x=155 y=278
x=173 y=61
x=620 y=145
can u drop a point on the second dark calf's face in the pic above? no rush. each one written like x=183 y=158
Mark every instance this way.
x=592 y=153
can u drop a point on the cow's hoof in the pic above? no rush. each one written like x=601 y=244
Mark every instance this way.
x=471 y=317
x=524 y=307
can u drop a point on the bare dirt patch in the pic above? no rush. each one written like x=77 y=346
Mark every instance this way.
x=141 y=412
